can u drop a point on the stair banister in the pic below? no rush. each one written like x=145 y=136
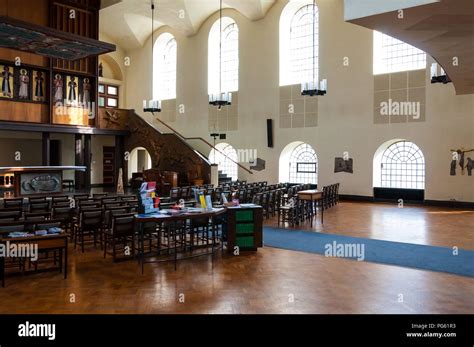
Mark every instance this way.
x=203 y=140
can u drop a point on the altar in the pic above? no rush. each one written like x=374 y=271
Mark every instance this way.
x=37 y=180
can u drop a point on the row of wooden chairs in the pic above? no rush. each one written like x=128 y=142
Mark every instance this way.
x=330 y=195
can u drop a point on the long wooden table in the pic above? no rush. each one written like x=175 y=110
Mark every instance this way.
x=173 y=220
x=312 y=195
x=57 y=242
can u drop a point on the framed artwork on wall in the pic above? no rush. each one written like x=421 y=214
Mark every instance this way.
x=58 y=87
x=72 y=90
x=6 y=80
x=22 y=84
x=39 y=85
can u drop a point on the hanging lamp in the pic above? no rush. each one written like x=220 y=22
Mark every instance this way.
x=152 y=105
x=222 y=98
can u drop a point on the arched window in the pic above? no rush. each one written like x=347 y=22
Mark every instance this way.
x=229 y=58
x=303 y=165
x=402 y=165
x=226 y=159
x=392 y=55
x=297 y=54
x=164 y=67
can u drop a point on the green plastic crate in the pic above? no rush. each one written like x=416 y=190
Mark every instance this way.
x=245 y=241
x=245 y=215
x=244 y=228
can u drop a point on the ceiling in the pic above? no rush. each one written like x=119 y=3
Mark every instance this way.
x=444 y=30
x=128 y=22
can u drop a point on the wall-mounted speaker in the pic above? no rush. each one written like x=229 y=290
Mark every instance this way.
x=222 y=136
x=270 y=133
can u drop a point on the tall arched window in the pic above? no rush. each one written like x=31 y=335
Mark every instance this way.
x=303 y=165
x=229 y=59
x=164 y=67
x=392 y=55
x=402 y=165
x=297 y=30
x=226 y=159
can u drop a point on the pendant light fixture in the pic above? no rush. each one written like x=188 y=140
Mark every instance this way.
x=313 y=87
x=152 y=105
x=222 y=98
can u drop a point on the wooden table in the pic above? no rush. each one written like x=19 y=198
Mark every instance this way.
x=161 y=217
x=312 y=195
x=45 y=243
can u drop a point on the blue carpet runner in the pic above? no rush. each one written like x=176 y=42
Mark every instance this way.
x=433 y=258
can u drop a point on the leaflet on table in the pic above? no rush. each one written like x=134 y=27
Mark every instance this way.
x=208 y=202
x=202 y=201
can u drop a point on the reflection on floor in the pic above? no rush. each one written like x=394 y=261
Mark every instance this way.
x=269 y=281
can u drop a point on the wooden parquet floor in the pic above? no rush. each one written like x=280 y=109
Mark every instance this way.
x=269 y=281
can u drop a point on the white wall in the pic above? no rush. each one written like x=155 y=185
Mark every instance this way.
x=345 y=117
x=67 y=152
x=27 y=145
x=97 y=162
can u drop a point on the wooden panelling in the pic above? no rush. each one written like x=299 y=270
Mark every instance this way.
x=72 y=116
x=113 y=119
x=56 y=14
x=25 y=58
x=24 y=112
x=168 y=152
x=76 y=18
x=32 y=11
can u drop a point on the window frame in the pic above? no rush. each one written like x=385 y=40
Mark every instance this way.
x=391 y=55
x=106 y=96
x=398 y=171
x=296 y=158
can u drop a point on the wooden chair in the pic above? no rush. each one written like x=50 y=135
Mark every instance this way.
x=110 y=212
x=127 y=197
x=61 y=204
x=63 y=214
x=174 y=194
x=80 y=196
x=37 y=199
x=37 y=216
x=289 y=212
x=36 y=207
x=10 y=214
x=13 y=203
x=90 y=224
x=60 y=199
x=122 y=232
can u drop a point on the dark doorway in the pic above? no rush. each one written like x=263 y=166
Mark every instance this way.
x=55 y=153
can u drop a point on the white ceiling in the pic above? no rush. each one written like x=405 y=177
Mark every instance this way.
x=443 y=29
x=128 y=22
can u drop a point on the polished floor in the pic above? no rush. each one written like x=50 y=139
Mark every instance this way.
x=269 y=281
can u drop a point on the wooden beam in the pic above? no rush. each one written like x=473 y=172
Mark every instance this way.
x=64 y=129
